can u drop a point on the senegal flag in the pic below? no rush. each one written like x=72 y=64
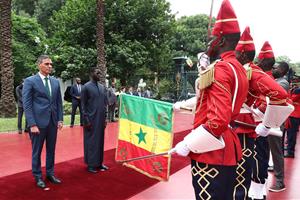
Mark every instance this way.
x=145 y=128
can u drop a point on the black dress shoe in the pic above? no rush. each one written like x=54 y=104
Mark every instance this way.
x=103 y=168
x=92 y=170
x=53 y=179
x=40 y=183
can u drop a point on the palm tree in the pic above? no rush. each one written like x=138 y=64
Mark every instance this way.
x=7 y=99
x=101 y=63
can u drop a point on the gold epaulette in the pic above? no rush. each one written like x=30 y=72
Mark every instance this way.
x=248 y=70
x=207 y=77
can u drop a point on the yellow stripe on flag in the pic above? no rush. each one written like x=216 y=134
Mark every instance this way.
x=149 y=138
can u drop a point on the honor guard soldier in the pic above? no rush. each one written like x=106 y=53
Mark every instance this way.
x=260 y=84
x=212 y=146
x=271 y=114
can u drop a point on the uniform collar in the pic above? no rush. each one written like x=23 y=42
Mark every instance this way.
x=227 y=54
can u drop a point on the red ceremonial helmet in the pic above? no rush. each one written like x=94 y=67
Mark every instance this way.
x=266 y=51
x=246 y=42
x=226 y=23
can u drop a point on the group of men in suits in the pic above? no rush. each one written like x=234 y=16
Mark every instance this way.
x=42 y=103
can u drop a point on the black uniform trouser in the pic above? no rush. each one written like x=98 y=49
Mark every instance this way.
x=261 y=160
x=244 y=168
x=292 y=134
x=37 y=140
x=213 y=181
x=75 y=104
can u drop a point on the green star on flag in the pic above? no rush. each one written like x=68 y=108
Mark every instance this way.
x=141 y=135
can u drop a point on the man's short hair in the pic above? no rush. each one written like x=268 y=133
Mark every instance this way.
x=284 y=66
x=93 y=69
x=41 y=58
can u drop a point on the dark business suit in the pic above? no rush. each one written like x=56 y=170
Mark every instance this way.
x=94 y=104
x=112 y=102
x=45 y=112
x=75 y=92
x=20 y=107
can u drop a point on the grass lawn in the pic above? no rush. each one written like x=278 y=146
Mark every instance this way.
x=11 y=124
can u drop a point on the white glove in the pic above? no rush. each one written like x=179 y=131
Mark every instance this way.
x=177 y=105
x=262 y=130
x=182 y=149
x=203 y=61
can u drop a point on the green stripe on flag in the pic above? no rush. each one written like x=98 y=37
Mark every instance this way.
x=148 y=112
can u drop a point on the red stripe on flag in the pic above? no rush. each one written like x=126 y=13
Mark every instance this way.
x=154 y=167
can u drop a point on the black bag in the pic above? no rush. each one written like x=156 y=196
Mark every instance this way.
x=67 y=94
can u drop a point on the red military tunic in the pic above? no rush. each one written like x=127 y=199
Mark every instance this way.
x=261 y=85
x=295 y=100
x=214 y=110
x=296 y=103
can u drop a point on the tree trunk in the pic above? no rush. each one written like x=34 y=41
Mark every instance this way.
x=101 y=63
x=7 y=99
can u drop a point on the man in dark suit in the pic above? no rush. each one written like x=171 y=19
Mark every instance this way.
x=138 y=92
x=112 y=102
x=20 y=107
x=44 y=114
x=94 y=105
x=75 y=93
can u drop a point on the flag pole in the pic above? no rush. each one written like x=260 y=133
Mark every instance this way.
x=148 y=156
x=210 y=20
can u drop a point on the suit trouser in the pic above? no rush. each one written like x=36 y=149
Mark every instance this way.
x=275 y=144
x=214 y=182
x=75 y=104
x=244 y=168
x=20 y=115
x=261 y=160
x=37 y=140
x=292 y=134
x=111 y=112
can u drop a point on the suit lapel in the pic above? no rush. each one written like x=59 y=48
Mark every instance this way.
x=52 y=87
x=40 y=84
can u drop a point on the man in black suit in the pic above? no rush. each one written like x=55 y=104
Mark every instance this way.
x=94 y=106
x=20 y=107
x=75 y=93
x=112 y=102
x=44 y=114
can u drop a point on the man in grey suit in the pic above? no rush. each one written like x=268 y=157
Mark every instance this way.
x=44 y=114
x=94 y=106
x=275 y=142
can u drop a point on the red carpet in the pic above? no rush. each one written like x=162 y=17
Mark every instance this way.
x=117 y=183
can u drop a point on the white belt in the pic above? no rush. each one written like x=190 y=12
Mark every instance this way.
x=244 y=110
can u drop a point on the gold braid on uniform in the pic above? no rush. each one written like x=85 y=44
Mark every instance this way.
x=248 y=69
x=249 y=73
x=207 y=77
